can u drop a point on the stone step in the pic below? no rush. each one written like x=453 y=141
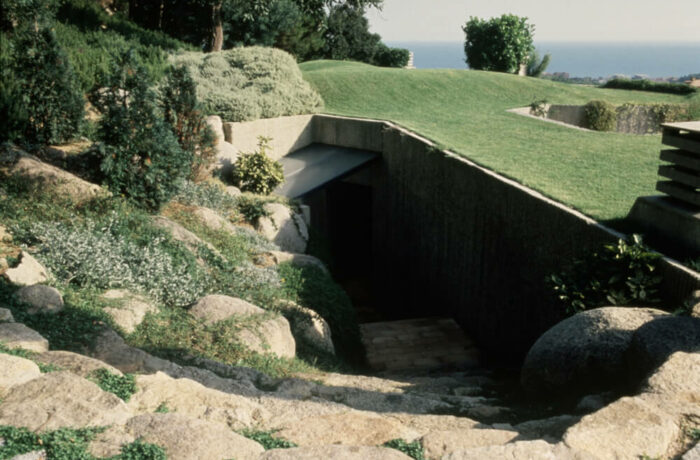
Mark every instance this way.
x=422 y=343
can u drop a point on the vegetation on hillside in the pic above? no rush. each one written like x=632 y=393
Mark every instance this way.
x=600 y=174
x=499 y=44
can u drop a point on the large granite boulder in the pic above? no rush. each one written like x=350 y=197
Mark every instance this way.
x=335 y=452
x=77 y=364
x=28 y=272
x=15 y=371
x=653 y=343
x=40 y=299
x=182 y=438
x=61 y=399
x=443 y=442
x=127 y=310
x=17 y=335
x=584 y=354
x=538 y=449
x=214 y=308
x=309 y=326
x=284 y=227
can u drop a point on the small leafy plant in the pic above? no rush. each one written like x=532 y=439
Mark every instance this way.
x=412 y=449
x=600 y=116
x=538 y=108
x=267 y=440
x=257 y=173
x=121 y=385
x=619 y=274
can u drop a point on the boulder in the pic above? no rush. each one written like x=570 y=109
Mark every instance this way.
x=335 y=452
x=225 y=152
x=549 y=429
x=678 y=379
x=34 y=455
x=15 y=371
x=693 y=453
x=77 y=364
x=212 y=220
x=5 y=235
x=297 y=260
x=40 y=299
x=349 y=428
x=439 y=443
x=311 y=327
x=539 y=450
x=61 y=399
x=182 y=438
x=181 y=234
x=628 y=428
x=27 y=272
x=187 y=397
x=6 y=316
x=53 y=179
x=130 y=311
x=233 y=191
x=214 y=308
x=655 y=341
x=585 y=353
x=17 y=335
x=284 y=227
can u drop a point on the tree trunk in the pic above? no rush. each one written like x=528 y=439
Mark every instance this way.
x=217 y=29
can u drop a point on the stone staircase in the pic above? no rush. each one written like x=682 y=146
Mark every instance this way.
x=423 y=343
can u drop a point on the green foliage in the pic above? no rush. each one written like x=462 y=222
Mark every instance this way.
x=619 y=274
x=142 y=158
x=348 y=36
x=539 y=108
x=266 y=439
x=68 y=444
x=50 y=94
x=249 y=83
x=390 y=57
x=162 y=409
x=252 y=208
x=498 y=44
x=600 y=116
x=12 y=110
x=257 y=173
x=207 y=194
x=648 y=85
x=412 y=449
x=183 y=113
x=535 y=65
x=121 y=385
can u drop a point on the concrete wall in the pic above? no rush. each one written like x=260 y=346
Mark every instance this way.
x=570 y=114
x=452 y=238
x=288 y=134
x=638 y=119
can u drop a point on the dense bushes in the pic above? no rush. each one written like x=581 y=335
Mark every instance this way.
x=142 y=158
x=390 y=57
x=648 y=85
x=499 y=44
x=249 y=83
x=257 y=173
x=600 y=116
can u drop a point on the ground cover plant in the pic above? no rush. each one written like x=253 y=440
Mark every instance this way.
x=600 y=174
x=249 y=83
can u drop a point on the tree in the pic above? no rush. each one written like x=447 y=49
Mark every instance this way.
x=535 y=66
x=348 y=35
x=498 y=44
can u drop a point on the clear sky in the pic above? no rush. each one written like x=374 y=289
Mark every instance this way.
x=554 y=20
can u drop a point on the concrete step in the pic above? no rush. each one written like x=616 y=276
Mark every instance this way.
x=423 y=343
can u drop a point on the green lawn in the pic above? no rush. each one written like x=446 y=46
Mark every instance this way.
x=600 y=174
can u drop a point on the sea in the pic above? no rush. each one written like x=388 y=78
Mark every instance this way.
x=653 y=60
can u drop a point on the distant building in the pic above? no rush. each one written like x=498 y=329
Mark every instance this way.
x=410 y=61
x=694 y=82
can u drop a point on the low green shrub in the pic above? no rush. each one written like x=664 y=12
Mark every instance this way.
x=385 y=56
x=648 y=85
x=266 y=439
x=249 y=83
x=207 y=194
x=600 y=116
x=183 y=113
x=538 y=108
x=412 y=449
x=123 y=386
x=257 y=173
x=142 y=158
x=618 y=274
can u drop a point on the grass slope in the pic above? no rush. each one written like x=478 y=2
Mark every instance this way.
x=601 y=174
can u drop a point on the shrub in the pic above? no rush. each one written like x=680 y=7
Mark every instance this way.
x=142 y=159
x=385 y=56
x=535 y=65
x=50 y=92
x=249 y=83
x=12 y=110
x=182 y=111
x=257 y=173
x=499 y=44
x=648 y=85
x=267 y=440
x=123 y=386
x=600 y=116
x=412 y=449
x=208 y=195
x=538 y=108
x=616 y=275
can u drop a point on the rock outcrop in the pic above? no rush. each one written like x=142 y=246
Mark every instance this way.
x=126 y=309
x=17 y=335
x=28 y=272
x=284 y=227
x=585 y=353
x=15 y=371
x=40 y=299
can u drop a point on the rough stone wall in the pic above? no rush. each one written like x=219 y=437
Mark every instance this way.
x=637 y=119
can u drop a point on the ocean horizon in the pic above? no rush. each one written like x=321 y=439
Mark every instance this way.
x=578 y=59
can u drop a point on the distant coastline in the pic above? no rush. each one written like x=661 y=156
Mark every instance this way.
x=595 y=59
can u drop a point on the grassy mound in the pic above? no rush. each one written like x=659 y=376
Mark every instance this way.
x=250 y=83
x=600 y=174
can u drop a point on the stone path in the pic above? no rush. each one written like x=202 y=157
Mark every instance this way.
x=424 y=343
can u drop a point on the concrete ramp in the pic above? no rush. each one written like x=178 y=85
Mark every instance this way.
x=314 y=166
x=424 y=343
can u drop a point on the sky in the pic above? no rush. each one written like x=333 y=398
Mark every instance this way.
x=554 y=20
